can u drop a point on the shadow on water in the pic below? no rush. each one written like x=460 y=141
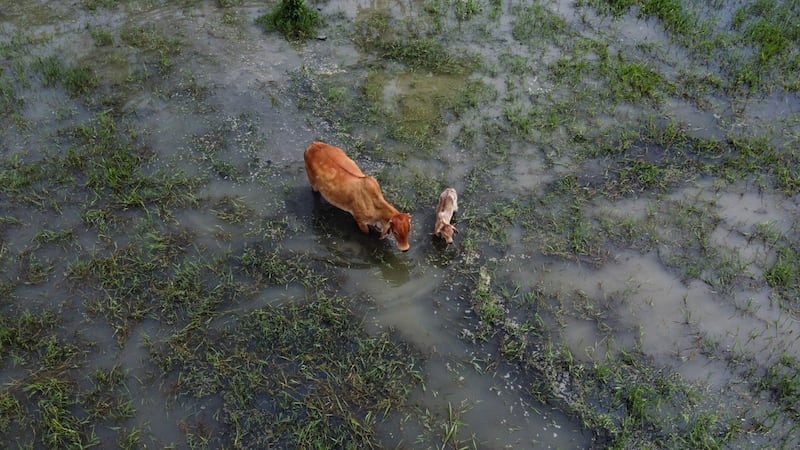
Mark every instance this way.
x=347 y=247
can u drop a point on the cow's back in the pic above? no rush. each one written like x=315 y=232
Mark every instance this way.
x=333 y=174
x=322 y=160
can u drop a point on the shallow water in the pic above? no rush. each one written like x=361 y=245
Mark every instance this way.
x=251 y=119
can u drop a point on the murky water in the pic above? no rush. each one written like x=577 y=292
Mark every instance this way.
x=250 y=113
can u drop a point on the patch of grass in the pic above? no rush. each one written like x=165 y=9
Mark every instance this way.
x=466 y=9
x=101 y=37
x=93 y=5
x=516 y=64
x=47 y=406
x=639 y=234
x=231 y=139
x=749 y=155
x=627 y=401
x=634 y=81
x=641 y=175
x=21 y=180
x=150 y=39
x=782 y=382
x=109 y=157
x=77 y=80
x=560 y=225
x=10 y=101
x=488 y=306
x=157 y=48
x=615 y=8
x=378 y=32
x=51 y=68
x=672 y=14
x=159 y=275
x=662 y=152
x=770 y=27
x=770 y=38
x=46 y=236
x=699 y=87
x=784 y=273
x=429 y=54
x=292 y=18
x=269 y=267
x=33 y=269
x=232 y=209
x=536 y=23
x=299 y=375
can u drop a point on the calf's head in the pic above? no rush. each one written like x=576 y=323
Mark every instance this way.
x=445 y=231
x=399 y=225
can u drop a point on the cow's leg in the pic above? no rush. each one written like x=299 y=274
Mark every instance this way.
x=315 y=192
x=362 y=226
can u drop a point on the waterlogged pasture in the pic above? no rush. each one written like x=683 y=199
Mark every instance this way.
x=625 y=276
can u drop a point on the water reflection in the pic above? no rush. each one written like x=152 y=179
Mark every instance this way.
x=347 y=246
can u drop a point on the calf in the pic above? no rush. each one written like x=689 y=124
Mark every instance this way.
x=342 y=184
x=448 y=204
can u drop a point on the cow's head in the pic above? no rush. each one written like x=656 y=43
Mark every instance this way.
x=445 y=231
x=400 y=226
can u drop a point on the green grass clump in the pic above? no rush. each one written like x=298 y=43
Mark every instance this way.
x=378 y=32
x=77 y=80
x=157 y=48
x=770 y=27
x=429 y=54
x=784 y=273
x=636 y=81
x=93 y=5
x=536 y=22
x=671 y=13
x=292 y=18
x=616 y=7
x=782 y=382
x=101 y=37
x=150 y=39
x=10 y=102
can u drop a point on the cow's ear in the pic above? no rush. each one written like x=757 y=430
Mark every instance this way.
x=455 y=229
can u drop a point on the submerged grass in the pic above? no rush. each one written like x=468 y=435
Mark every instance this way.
x=766 y=29
x=378 y=32
x=302 y=375
x=50 y=406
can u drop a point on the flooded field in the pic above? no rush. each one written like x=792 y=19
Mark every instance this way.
x=625 y=273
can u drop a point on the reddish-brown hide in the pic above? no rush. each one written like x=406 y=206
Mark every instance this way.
x=448 y=204
x=343 y=185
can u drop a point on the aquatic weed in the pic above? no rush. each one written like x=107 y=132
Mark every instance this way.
x=292 y=18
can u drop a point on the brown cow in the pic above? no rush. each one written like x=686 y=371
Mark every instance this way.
x=343 y=185
x=448 y=204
